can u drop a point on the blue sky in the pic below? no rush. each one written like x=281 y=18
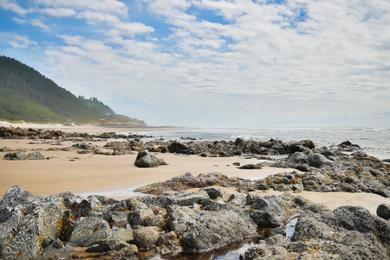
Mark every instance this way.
x=213 y=63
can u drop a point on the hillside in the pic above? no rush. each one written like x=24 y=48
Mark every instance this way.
x=27 y=95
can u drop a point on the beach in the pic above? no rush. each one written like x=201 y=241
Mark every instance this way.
x=117 y=177
x=94 y=192
x=100 y=173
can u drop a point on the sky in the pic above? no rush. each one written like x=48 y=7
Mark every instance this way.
x=213 y=63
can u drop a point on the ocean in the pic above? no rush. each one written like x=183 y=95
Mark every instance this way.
x=374 y=141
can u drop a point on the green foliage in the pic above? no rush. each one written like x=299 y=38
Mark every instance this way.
x=25 y=94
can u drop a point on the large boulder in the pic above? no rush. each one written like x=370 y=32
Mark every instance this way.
x=27 y=221
x=147 y=160
x=90 y=231
x=204 y=231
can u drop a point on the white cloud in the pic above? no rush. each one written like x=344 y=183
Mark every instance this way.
x=16 y=41
x=12 y=6
x=40 y=24
x=33 y=22
x=58 y=12
x=102 y=6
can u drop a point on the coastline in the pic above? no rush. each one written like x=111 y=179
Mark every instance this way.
x=59 y=173
x=282 y=188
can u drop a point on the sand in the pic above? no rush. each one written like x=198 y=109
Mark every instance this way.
x=86 y=128
x=102 y=173
x=333 y=200
x=116 y=176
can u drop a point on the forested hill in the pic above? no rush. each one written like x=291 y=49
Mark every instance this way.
x=25 y=94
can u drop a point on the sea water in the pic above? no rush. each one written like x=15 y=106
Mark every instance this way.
x=374 y=141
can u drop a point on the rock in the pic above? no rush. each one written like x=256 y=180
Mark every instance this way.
x=169 y=244
x=209 y=230
x=256 y=201
x=266 y=219
x=382 y=211
x=316 y=160
x=146 y=160
x=123 y=234
x=90 y=231
x=82 y=146
x=188 y=181
x=348 y=146
x=354 y=218
x=24 y=156
x=239 y=141
x=309 y=226
x=297 y=157
x=81 y=209
x=359 y=154
x=118 y=217
x=146 y=215
x=264 y=251
x=213 y=193
x=27 y=221
x=176 y=147
x=236 y=164
x=146 y=237
x=251 y=166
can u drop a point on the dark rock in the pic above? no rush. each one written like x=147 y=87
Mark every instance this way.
x=266 y=219
x=355 y=218
x=251 y=166
x=213 y=193
x=256 y=201
x=382 y=211
x=176 y=147
x=316 y=160
x=297 y=157
x=348 y=146
x=81 y=209
x=82 y=146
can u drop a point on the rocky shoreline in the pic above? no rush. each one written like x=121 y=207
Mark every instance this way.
x=195 y=216
x=344 y=167
x=187 y=224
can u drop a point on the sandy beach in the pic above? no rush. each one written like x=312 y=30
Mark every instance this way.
x=100 y=173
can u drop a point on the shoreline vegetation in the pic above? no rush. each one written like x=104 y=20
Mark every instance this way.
x=192 y=199
x=26 y=94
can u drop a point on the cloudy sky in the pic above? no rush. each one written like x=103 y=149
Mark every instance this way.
x=213 y=63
